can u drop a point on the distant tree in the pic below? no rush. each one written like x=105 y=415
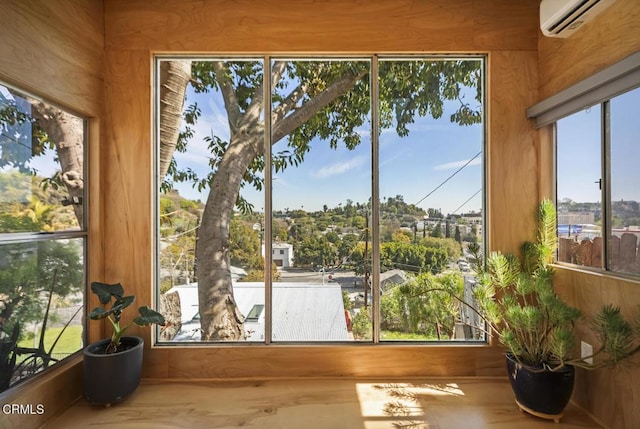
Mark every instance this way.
x=280 y=230
x=449 y=245
x=346 y=246
x=315 y=251
x=346 y=301
x=244 y=245
x=402 y=236
x=27 y=270
x=358 y=222
x=437 y=231
x=333 y=237
x=424 y=305
x=362 y=325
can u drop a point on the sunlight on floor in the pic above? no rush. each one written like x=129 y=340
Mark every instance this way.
x=401 y=403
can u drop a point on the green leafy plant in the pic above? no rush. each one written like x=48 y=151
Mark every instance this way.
x=113 y=294
x=516 y=299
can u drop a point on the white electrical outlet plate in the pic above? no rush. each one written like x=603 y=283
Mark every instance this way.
x=586 y=349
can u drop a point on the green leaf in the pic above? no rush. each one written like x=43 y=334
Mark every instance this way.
x=124 y=302
x=148 y=316
x=98 y=313
x=106 y=291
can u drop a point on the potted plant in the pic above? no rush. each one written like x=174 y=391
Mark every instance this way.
x=112 y=366
x=516 y=299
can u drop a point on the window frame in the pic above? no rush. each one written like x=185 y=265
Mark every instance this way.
x=605 y=187
x=268 y=211
x=597 y=89
x=82 y=233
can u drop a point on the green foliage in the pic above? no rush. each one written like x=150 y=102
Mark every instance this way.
x=426 y=305
x=34 y=278
x=113 y=295
x=518 y=302
x=412 y=257
x=346 y=302
x=315 y=251
x=179 y=219
x=407 y=89
x=244 y=245
x=31 y=206
x=28 y=270
x=362 y=325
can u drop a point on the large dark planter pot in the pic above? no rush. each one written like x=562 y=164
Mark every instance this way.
x=541 y=393
x=109 y=378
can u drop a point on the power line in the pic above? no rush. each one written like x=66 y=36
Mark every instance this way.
x=469 y=199
x=448 y=178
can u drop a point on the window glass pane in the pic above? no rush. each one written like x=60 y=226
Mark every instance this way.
x=212 y=207
x=579 y=165
x=431 y=181
x=321 y=200
x=211 y=189
x=41 y=301
x=41 y=165
x=625 y=176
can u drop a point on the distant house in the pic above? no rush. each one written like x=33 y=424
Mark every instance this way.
x=391 y=278
x=300 y=312
x=282 y=254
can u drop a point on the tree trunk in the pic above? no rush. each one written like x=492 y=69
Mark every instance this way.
x=66 y=131
x=174 y=77
x=172 y=312
x=220 y=318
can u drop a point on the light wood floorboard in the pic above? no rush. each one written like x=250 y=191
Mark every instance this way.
x=434 y=403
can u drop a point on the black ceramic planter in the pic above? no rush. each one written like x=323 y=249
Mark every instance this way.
x=541 y=393
x=111 y=378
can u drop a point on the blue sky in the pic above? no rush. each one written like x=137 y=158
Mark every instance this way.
x=579 y=151
x=411 y=166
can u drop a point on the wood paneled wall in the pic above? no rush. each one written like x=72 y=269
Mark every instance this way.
x=609 y=37
x=610 y=395
x=136 y=29
x=55 y=49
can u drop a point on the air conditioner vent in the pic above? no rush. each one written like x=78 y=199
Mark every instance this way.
x=560 y=18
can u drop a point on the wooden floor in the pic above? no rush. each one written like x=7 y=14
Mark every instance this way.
x=317 y=404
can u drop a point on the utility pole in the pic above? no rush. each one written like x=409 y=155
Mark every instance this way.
x=424 y=225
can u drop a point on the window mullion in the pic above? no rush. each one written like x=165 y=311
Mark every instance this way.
x=375 y=202
x=268 y=257
x=606 y=185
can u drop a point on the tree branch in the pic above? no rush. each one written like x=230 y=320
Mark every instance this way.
x=228 y=94
x=337 y=88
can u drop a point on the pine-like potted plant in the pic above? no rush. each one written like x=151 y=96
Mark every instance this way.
x=516 y=299
x=113 y=366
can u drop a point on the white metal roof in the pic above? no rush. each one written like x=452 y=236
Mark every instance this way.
x=301 y=311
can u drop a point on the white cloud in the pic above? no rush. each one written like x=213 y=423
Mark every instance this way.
x=340 y=167
x=280 y=182
x=456 y=164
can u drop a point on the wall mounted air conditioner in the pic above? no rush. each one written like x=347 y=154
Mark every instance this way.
x=560 y=18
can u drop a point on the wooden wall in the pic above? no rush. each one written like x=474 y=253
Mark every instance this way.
x=54 y=49
x=612 y=396
x=136 y=29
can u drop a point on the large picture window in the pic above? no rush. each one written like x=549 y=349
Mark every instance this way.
x=43 y=235
x=597 y=176
x=322 y=199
